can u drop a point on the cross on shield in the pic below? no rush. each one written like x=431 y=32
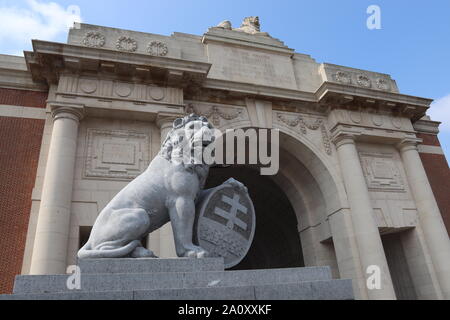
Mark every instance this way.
x=225 y=223
x=231 y=216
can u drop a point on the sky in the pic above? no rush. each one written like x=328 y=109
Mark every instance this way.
x=413 y=44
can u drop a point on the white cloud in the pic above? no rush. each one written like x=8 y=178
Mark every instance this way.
x=440 y=111
x=39 y=20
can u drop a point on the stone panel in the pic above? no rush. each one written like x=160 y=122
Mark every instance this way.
x=120 y=90
x=116 y=154
x=357 y=77
x=381 y=172
x=250 y=66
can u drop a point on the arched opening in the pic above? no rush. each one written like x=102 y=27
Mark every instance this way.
x=292 y=206
x=276 y=243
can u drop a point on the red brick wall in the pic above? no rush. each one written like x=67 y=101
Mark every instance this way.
x=438 y=173
x=24 y=98
x=20 y=142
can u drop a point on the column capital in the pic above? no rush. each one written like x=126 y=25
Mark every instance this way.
x=407 y=144
x=68 y=111
x=344 y=137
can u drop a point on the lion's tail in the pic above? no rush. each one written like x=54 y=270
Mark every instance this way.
x=87 y=253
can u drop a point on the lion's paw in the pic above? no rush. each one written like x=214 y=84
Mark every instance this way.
x=141 y=252
x=196 y=252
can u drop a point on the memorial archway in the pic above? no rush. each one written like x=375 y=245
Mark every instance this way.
x=291 y=207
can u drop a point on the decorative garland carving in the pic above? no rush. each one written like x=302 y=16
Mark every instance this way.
x=303 y=123
x=215 y=114
x=382 y=84
x=363 y=81
x=343 y=77
x=157 y=48
x=300 y=122
x=326 y=140
x=94 y=39
x=126 y=44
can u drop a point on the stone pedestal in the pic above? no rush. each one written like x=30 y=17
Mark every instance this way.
x=182 y=279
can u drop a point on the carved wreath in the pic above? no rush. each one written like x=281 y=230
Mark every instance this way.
x=343 y=77
x=300 y=120
x=382 y=84
x=363 y=81
x=126 y=44
x=94 y=39
x=157 y=48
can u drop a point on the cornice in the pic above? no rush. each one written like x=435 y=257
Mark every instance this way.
x=54 y=57
x=340 y=94
x=427 y=126
x=49 y=59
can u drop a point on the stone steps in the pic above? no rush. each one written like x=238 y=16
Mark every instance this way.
x=169 y=280
x=89 y=266
x=308 y=290
x=197 y=279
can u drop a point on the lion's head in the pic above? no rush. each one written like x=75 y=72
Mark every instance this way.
x=188 y=134
x=251 y=24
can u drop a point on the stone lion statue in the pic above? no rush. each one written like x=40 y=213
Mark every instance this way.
x=250 y=25
x=165 y=191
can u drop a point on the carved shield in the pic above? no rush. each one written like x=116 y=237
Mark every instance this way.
x=225 y=223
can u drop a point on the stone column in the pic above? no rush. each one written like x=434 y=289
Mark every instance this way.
x=166 y=240
x=52 y=230
x=366 y=231
x=433 y=227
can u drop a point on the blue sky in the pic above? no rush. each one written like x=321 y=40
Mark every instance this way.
x=413 y=45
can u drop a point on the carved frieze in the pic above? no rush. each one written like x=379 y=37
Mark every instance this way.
x=116 y=154
x=355 y=115
x=343 y=77
x=376 y=117
x=381 y=172
x=114 y=89
x=301 y=123
x=396 y=121
x=157 y=48
x=216 y=114
x=326 y=139
x=126 y=44
x=363 y=81
x=382 y=84
x=156 y=93
x=94 y=39
x=358 y=78
x=123 y=89
x=88 y=85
